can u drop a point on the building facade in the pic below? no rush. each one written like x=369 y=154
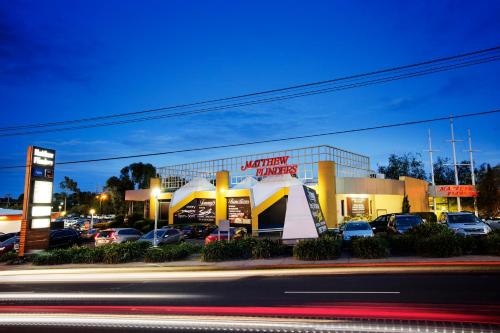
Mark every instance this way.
x=252 y=190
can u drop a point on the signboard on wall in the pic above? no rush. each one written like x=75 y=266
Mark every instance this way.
x=37 y=205
x=239 y=210
x=443 y=191
x=271 y=166
x=357 y=206
x=196 y=211
x=317 y=214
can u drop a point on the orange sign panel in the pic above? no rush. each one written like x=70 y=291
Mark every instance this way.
x=456 y=191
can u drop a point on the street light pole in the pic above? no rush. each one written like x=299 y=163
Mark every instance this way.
x=156 y=193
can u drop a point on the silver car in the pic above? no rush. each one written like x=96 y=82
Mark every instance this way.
x=465 y=224
x=356 y=229
x=164 y=236
x=117 y=235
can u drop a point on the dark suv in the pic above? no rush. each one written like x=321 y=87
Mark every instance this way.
x=64 y=238
x=380 y=223
x=401 y=223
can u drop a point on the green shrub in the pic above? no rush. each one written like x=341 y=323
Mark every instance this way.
x=427 y=229
x=52 y=257
x=268 y=248
x=224 y=250
x=472 y=245
x=102 y=225
x=322 y=248
x=492 y=243
x=86 y=255
x=370 y=247
x=442 y=244
x=171 y=252
x=400 y=244
x=125 y=252
x=8 y=256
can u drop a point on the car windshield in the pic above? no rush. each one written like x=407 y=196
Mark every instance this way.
x=106 y=233
x=10 y=241
x=355 y=226
x=463 y=218
x=150 y=235
x=407 y=221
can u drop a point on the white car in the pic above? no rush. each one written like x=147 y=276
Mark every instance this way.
x=465 y=224
x=356 y=229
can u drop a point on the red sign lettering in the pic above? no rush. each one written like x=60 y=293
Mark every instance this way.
x=271 y=166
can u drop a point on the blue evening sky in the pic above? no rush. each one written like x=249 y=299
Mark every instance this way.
x=62 y=60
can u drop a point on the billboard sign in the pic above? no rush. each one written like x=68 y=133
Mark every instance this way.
x=239 y=210
x=357 y=206
x=37 y=205
x=196 y=211
x=443 y=191
x=271 y=166
x=317 y=214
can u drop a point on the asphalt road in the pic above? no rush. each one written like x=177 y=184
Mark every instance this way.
x=396 y=302
x=423 y=288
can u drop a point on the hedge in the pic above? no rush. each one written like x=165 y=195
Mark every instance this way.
x=244 y=249
x=370 y=247
x=8 y=256
x=492 y=243
x=110 y=254
x=171 y=252
x=323 y=248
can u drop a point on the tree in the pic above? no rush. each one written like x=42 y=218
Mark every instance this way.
x=116 y=187
x=488 y=199
x=405 y=165
x=70 y=185
x=443 y=173
x=406 y=205
x=139 y=173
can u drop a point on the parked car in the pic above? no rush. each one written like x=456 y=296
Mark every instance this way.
x=164 y=236
x=401 y=223
x=117 y=235
x=234 y=233
x=4 y=237
x=89 y=234
x=465 y=224
x=64 y=238
x=356 y=229
x=203 y=230
x=188 y=231
x=8 y=244
x=380 y=223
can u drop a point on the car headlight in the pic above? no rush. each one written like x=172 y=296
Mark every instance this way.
x=487 y=228
x=2 y=248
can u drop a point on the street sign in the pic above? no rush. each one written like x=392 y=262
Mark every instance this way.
x=224 y=225
x=37 y=205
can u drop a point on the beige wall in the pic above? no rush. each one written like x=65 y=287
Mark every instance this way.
x=417 y=191
x=378 y=204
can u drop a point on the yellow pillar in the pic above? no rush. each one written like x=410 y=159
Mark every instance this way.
x=153 y=183
x=327 y=192
x=221 y=186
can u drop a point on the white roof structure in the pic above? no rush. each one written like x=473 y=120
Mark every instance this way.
x=7 y=212
x=195 y=185
x=270 y=185
x=247 y=182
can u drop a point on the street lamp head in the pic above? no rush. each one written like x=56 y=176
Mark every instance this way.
x=104 y=196
x=156 y=192
x=92 y=211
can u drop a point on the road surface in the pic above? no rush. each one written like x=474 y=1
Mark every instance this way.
x=443 y=297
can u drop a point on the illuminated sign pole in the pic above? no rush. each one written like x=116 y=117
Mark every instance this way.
x=37 y=205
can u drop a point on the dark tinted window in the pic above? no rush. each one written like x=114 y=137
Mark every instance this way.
x=171 y=232
x=463 y=218
x=150 y=235
x=354 y=226
x=408 y=221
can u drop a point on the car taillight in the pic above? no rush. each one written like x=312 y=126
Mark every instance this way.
x=113 y=236
x=98 y=235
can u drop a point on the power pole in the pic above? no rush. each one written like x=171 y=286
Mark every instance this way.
x=455 y=165
x=473 y=176
x=432 y=172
